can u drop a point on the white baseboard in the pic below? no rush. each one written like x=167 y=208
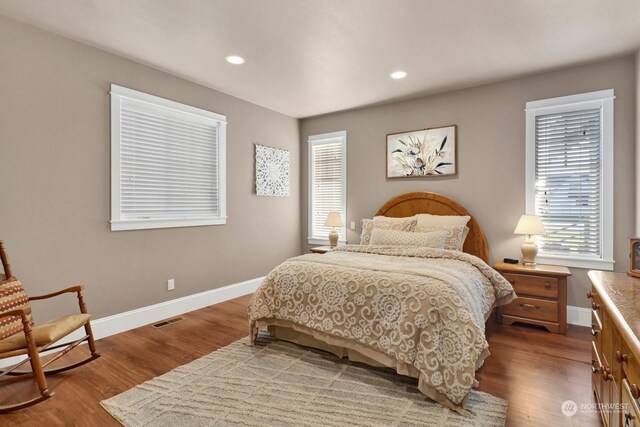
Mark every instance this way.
x=128 y=320
x=122 y=322
x=579 y=316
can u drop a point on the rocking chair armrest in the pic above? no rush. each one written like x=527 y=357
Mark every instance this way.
x=77 y=289
x=20 y=312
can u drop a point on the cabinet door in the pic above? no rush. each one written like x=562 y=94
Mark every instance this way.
x=596 y=371
x=606 y=397
x=606 y=351
x=616 y=376
x=606 y=360
x=630 y=412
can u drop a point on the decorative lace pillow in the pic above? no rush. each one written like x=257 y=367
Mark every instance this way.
x=428 y=220
x=455 y=235
x=434 y=239
x=12 y=297
x=385 y=223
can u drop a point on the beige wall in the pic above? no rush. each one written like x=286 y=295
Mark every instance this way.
x=54 y=173
x=491 y=153
x=55 y=182
x=637 y=230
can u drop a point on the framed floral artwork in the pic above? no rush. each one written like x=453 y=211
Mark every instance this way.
x=272 y=171
x=634 y=269
x=422 y=153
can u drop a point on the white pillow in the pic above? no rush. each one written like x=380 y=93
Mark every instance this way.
x=455 y=236
x=434 y=239
x=387 y=223
x=428 y=220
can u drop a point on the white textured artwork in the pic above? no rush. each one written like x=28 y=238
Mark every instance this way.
x=272 y=171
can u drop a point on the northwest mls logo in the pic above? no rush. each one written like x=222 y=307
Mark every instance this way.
x=569 y=408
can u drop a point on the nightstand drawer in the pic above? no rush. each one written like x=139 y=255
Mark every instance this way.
x=546 y=287
x=531 y=308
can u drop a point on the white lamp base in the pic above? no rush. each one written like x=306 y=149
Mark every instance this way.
x=529 y=251
x=333 y=239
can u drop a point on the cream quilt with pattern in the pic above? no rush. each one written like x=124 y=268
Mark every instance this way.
x=422 y=307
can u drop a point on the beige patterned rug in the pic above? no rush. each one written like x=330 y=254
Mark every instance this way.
x=281 y=384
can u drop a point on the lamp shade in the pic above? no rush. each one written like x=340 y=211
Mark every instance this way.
x=529 y=224
x=333 y=220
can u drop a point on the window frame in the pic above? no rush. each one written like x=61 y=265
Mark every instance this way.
x=323 y=139
x=602 y=100
x=220 y=121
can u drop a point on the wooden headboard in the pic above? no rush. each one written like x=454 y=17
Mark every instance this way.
x=410 y=204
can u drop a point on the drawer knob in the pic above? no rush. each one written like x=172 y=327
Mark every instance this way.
x=594 y=331
x=620 y=357
x=606 y=374
x=635 y=391
x=595 y=306
x=594 y=369
x=591 y=294
x=529 y=306
x=547 y=285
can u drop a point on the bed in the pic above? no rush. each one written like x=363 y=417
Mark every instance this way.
x=418 y=310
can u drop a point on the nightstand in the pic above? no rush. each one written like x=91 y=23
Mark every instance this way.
x=320 y=249
x=542 y=296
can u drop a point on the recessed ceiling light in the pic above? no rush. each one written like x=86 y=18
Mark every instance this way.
x=398 y=75
x=235 y=59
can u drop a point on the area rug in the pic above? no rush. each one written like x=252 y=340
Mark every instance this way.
x=277 y=383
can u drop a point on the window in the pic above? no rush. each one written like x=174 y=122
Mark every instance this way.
x=327 y=184
x=167 y=163
x=570 y=178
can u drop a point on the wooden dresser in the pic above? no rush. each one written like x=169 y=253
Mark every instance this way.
x=615 y=359
x=542 y=296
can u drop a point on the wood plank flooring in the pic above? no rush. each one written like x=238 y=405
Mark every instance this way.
x=534 y=370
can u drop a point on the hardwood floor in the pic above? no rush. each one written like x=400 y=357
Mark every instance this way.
x=534 y=370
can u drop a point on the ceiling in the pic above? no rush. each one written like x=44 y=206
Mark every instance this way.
x=310 y=57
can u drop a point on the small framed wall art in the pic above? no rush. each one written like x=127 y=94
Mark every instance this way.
x=422 y=153
x=272 y=171
x=634 y=268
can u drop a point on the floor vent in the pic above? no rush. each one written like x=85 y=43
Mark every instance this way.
x=167 y=322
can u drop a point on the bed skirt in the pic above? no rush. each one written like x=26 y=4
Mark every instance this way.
x=355 y=352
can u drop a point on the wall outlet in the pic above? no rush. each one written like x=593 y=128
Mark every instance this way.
x=353 y=225
x=171 y=284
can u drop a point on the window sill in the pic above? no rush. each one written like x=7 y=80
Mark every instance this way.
x=145 y=224
x=595 y=264
x=325 y=242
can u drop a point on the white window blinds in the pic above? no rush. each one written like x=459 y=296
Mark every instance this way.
x=327 y=182
x=569 y=172
x=167 y=163
x=568 y=182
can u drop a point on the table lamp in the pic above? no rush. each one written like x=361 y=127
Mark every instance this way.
x=333 y=220
x=529 y=225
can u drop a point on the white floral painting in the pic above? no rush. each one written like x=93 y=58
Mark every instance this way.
x=422 y=153
x=272 y=171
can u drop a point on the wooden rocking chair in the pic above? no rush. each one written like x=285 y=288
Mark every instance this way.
x=34 y=339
